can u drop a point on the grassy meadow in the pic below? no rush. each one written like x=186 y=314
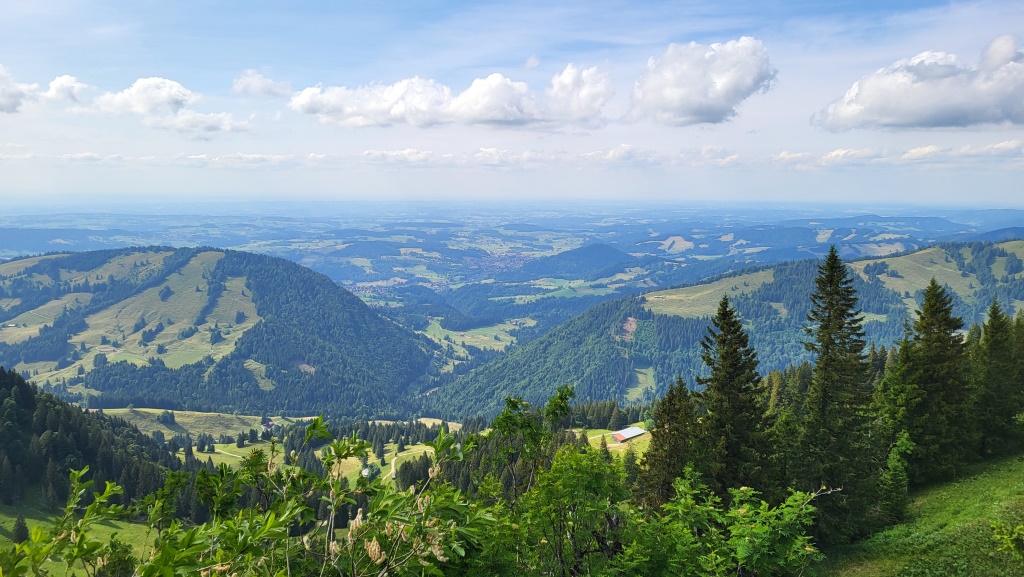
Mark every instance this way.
x=947 y=531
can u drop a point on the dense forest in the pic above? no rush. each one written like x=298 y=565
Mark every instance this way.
x=747 y=475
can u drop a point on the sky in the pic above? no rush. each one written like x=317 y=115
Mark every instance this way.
x=875 y=102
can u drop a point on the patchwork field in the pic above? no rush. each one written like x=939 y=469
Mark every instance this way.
x=702 y=300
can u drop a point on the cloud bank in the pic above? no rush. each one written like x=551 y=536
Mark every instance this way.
x=932 y=90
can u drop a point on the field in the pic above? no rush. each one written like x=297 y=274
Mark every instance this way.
x=496 y=336
x=134 y=534
x=176 y=311
x=702 y=300
x=194 y=423
x=947 y=531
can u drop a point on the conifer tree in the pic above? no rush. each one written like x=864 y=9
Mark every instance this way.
x=19 y=532
x=673 y=445
x=833 y=449
x=733 y=428
x=941 y=424
x=999 y=391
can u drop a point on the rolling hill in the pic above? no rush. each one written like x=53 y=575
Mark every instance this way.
x=632 y=348
x=203 y=329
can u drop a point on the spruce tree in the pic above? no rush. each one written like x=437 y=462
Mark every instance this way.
x=672 y=445
x=19 y=532
x=941 y=425
x=733 y=429
x=833 y=449
x=999 y=392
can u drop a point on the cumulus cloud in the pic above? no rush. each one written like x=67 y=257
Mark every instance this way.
x=164 y=104
x=933 y=90
x=148 y=97
x=64 y=88
x=693 y=83
x=254 y=83
x=578 y=94
x=14 y=94
x=494 y=100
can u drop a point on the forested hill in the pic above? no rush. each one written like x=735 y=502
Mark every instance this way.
x=203 y=329
x=41 y=437
x=634 y=347
x=588 y=262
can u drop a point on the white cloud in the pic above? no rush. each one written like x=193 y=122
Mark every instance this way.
x=197 y=123
x=164 y=104
x=64 y=88
x=922 y=152
x=148 y=97
x=531 y=62
x=933 y=90
x=849 y=155
x=14 y=94
x=578 y=94
x=405 y=155
x=415 y=101
x=792 y=157
x=494 y=100
x=254 y=83
x=575 y=96
x=625 y=154
x=693 y=83
x=1005 y=148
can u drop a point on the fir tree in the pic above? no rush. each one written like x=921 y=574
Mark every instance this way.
x=833 y=449
x=733 y=428
x=673 y=445
x=999 y=392
x=941 y=424
x=19 y=532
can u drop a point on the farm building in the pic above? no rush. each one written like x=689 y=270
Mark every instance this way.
x=628 y=433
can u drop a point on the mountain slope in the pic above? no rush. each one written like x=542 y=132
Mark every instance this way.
x=634 y=347
x=203 y=329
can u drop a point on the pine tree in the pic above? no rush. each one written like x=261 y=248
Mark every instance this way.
x=672 y=445
x=833 y=449
x=733 y=428
x=941 y=424
x=999 y=392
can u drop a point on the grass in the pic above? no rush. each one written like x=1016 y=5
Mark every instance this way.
x=495 y=337
x=194 y=423
x=702 y=300
x=39 y=515
x=947 y=531
x=34 y=319
x=178 y=311
x=644 y=382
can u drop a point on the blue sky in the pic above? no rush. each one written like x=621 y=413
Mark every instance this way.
x=668 y=101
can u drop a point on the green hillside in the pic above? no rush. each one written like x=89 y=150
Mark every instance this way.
x=948 y=531
x=206 y=330
x=632 y=348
